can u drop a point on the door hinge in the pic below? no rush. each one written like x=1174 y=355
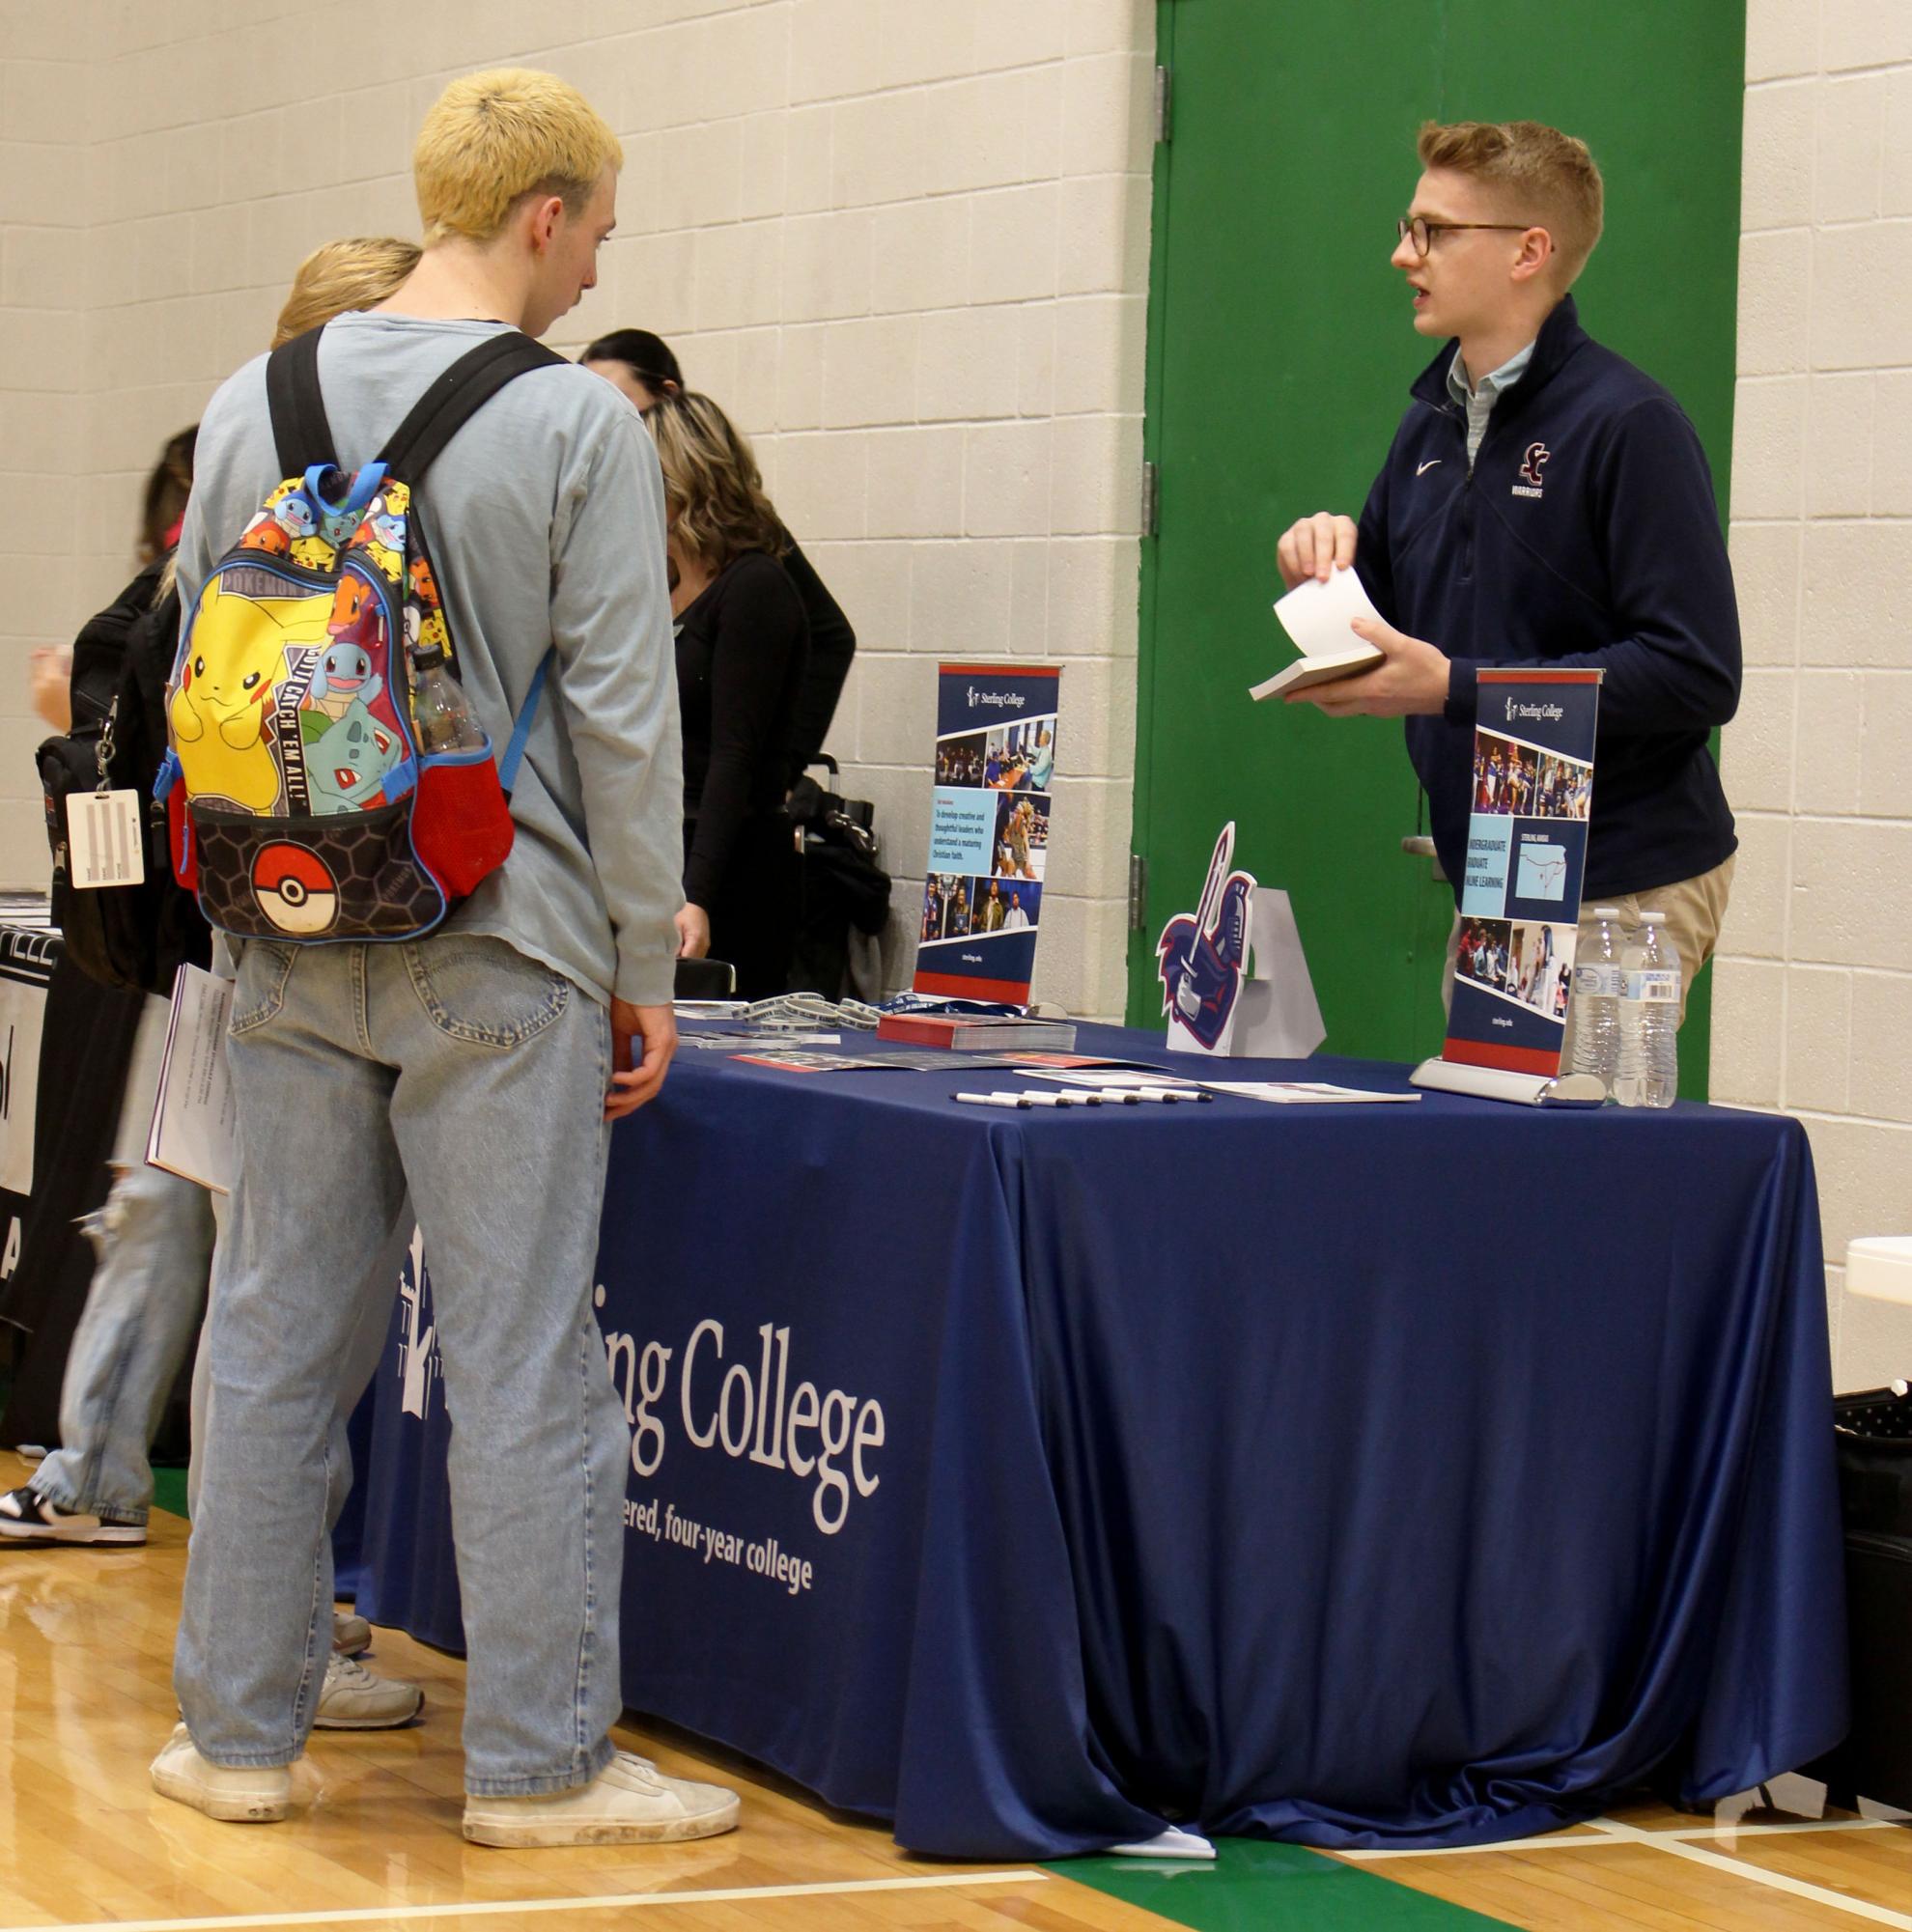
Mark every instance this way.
x=1151 y=498
x=1165 y=101
x=1137 y=893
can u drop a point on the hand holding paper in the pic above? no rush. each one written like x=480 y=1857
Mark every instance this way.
x=1408 y=679
x=1320 y=617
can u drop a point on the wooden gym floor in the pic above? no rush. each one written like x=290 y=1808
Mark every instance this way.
x=86 y=1641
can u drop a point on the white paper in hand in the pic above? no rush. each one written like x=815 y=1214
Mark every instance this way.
x=1318 y=615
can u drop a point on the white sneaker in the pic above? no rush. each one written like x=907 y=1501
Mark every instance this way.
x=350 y=1635
x=353 y=1699
x=27 y=1517
x=238 y=1795
x=631 y=1802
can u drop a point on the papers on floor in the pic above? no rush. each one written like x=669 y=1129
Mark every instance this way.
x=192 y=1119
x=1318 y=616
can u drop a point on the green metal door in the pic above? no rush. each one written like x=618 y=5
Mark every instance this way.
x=1279 y=354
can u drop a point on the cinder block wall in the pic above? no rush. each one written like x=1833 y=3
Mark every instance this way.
x=905 y=244
x=1814 y=1012
x=44 y=181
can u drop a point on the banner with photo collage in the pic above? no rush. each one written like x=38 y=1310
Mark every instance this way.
x=1526 y=853
x=988 y=831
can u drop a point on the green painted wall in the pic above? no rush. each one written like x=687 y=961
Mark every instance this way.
x=1279 y=354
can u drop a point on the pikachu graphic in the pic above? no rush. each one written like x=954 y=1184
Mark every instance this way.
x=234 y=656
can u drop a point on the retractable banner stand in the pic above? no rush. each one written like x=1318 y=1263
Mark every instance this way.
x=988 y=831
x=1520 y=896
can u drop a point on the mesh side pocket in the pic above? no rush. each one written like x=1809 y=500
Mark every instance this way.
x=460 y=821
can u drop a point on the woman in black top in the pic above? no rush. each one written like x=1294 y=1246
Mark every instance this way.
x=642 y=366
x=742 y=649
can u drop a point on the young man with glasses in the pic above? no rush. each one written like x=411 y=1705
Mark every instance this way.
x=1544 y=503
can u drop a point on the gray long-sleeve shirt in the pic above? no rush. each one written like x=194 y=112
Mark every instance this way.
x=544 y=517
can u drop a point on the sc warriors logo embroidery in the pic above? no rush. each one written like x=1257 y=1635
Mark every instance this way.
x=1200 y=956
x=1531 y=464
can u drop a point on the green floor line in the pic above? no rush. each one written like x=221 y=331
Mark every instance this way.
x=169 y=1491
x=1251 y=1886
x=1254 y=1886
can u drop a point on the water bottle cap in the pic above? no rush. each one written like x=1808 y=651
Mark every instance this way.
x=1652 y=918
x=426 y=657
x=1603 y=912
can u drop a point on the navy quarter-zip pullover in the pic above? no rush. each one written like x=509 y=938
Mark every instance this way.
x=1586 y=534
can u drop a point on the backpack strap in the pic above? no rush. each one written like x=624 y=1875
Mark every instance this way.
x=301 y=430
x=522 y=727
x=456 y=396
x=433 y=420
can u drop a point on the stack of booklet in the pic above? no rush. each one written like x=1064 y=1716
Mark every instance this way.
x=977 y=1032
x=1318 y=616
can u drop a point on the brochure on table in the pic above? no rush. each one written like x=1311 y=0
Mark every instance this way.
x=1526 y=851
x=995 y=763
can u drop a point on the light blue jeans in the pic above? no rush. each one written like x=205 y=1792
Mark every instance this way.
x=153 y=1239
x=356 y=1366
x=476 y=1075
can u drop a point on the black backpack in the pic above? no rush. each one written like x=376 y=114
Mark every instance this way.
x=122 y=936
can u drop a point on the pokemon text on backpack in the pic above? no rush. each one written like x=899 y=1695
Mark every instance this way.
x=299 y=805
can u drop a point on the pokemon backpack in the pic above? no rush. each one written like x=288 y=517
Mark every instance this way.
x=298 y=806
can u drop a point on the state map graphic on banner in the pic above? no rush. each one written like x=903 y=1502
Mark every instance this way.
x=988 y=831
x=1526 y=851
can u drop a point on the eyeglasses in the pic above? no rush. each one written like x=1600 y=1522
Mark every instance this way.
x=1423 y=231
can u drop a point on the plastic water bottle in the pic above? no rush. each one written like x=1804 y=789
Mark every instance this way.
x=440 y=717
x=1650 y=1018
x=1596 y=996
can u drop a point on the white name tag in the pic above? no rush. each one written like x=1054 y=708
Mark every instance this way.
x=103 y=839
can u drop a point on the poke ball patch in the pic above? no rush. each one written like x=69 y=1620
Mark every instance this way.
x=293 y=889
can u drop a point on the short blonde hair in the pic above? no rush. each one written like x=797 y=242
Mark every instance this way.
x=1542 y=176
x=493 y=138
x=712 y=480
x=358 y=273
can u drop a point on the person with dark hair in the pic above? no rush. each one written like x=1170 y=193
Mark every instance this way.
x=741 y=646
x=643 y=368
x=163 y=508
x=50 y=669
x=637 y=362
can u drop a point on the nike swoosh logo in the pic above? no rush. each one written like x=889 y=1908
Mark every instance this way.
x=1426 y=466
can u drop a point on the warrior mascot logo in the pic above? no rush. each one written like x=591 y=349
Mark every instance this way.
x=1201 y=955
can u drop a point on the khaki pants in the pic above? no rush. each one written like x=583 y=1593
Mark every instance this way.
x=1694 y=910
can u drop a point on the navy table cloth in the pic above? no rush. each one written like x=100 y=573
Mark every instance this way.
x=1414 y=1474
